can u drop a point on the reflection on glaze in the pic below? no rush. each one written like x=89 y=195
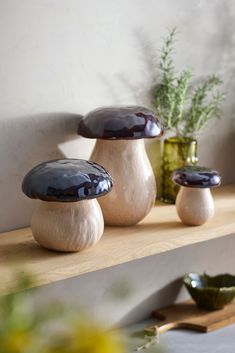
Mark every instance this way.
x=210 y=292
x=196 y=177
x=120 y=123
x=66 y=180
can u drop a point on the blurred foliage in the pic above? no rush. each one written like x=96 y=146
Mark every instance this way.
x=184 y=110
x=49 y=328
x=150 y=341
x=121 y=289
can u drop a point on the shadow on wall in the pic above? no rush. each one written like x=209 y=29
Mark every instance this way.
x=163 y=297
x=25 y=142
x=220 y=148
x=136 y=88
x=217 y=151
x=148 y=69
x=224 y=43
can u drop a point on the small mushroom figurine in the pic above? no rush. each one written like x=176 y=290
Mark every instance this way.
x=69 y=217
x=120 y=133
x=194 y=202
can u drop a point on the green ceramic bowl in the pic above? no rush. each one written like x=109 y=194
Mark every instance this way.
x=211 y=293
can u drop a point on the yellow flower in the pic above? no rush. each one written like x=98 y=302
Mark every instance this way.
x=15 y=342
x=92 y=339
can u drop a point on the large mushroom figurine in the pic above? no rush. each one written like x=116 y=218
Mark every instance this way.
x=120 y=133
x=69 y=217
x=194 y=202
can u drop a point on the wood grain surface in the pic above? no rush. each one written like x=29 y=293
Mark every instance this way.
x=159 y=232
x=187 y=315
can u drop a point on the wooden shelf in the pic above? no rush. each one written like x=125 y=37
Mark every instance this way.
x=161 y=231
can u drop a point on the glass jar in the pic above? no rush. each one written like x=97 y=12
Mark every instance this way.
x=177 y=152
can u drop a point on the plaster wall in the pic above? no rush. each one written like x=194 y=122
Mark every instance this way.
x=63 y=58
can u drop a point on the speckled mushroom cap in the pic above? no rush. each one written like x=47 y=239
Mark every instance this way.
x=196 y=177
x=120 y=123
x=66 y=180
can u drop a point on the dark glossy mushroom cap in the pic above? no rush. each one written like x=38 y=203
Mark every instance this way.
x=66 y=180
x=120 y=123
x=196 y=177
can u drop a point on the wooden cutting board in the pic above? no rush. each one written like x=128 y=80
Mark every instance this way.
x=188 y=316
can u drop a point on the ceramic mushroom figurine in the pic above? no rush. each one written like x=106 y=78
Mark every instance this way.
x=194 y=202
x=69 y=217
x=120 y=133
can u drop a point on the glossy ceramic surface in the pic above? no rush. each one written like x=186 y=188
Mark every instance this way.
x=66 y=180
x=210 y=293
x=196 y=177
x=120 y=123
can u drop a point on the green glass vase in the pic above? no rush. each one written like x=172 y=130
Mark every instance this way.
x=177 y=152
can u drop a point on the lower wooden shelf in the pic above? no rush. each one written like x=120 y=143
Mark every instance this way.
x=160 y=231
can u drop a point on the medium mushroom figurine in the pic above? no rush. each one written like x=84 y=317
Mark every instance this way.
x=194 y=202
x=69 y=217
x=120 y=133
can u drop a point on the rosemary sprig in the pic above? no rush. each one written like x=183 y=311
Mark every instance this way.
x=151 y=340
x=181 y=90
x=164 y=92
x=182 y=112
x=201 y=112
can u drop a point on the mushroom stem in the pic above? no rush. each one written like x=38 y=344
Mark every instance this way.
x=194 y=205
x=67 y=226
x=134 y=186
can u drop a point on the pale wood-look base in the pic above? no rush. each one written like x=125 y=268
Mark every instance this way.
x=160 y=231
x=67 y=226
x=187 y=315
x=134 y=187
x=194 y=206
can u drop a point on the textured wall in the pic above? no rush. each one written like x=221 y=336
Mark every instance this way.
x=63 y=57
